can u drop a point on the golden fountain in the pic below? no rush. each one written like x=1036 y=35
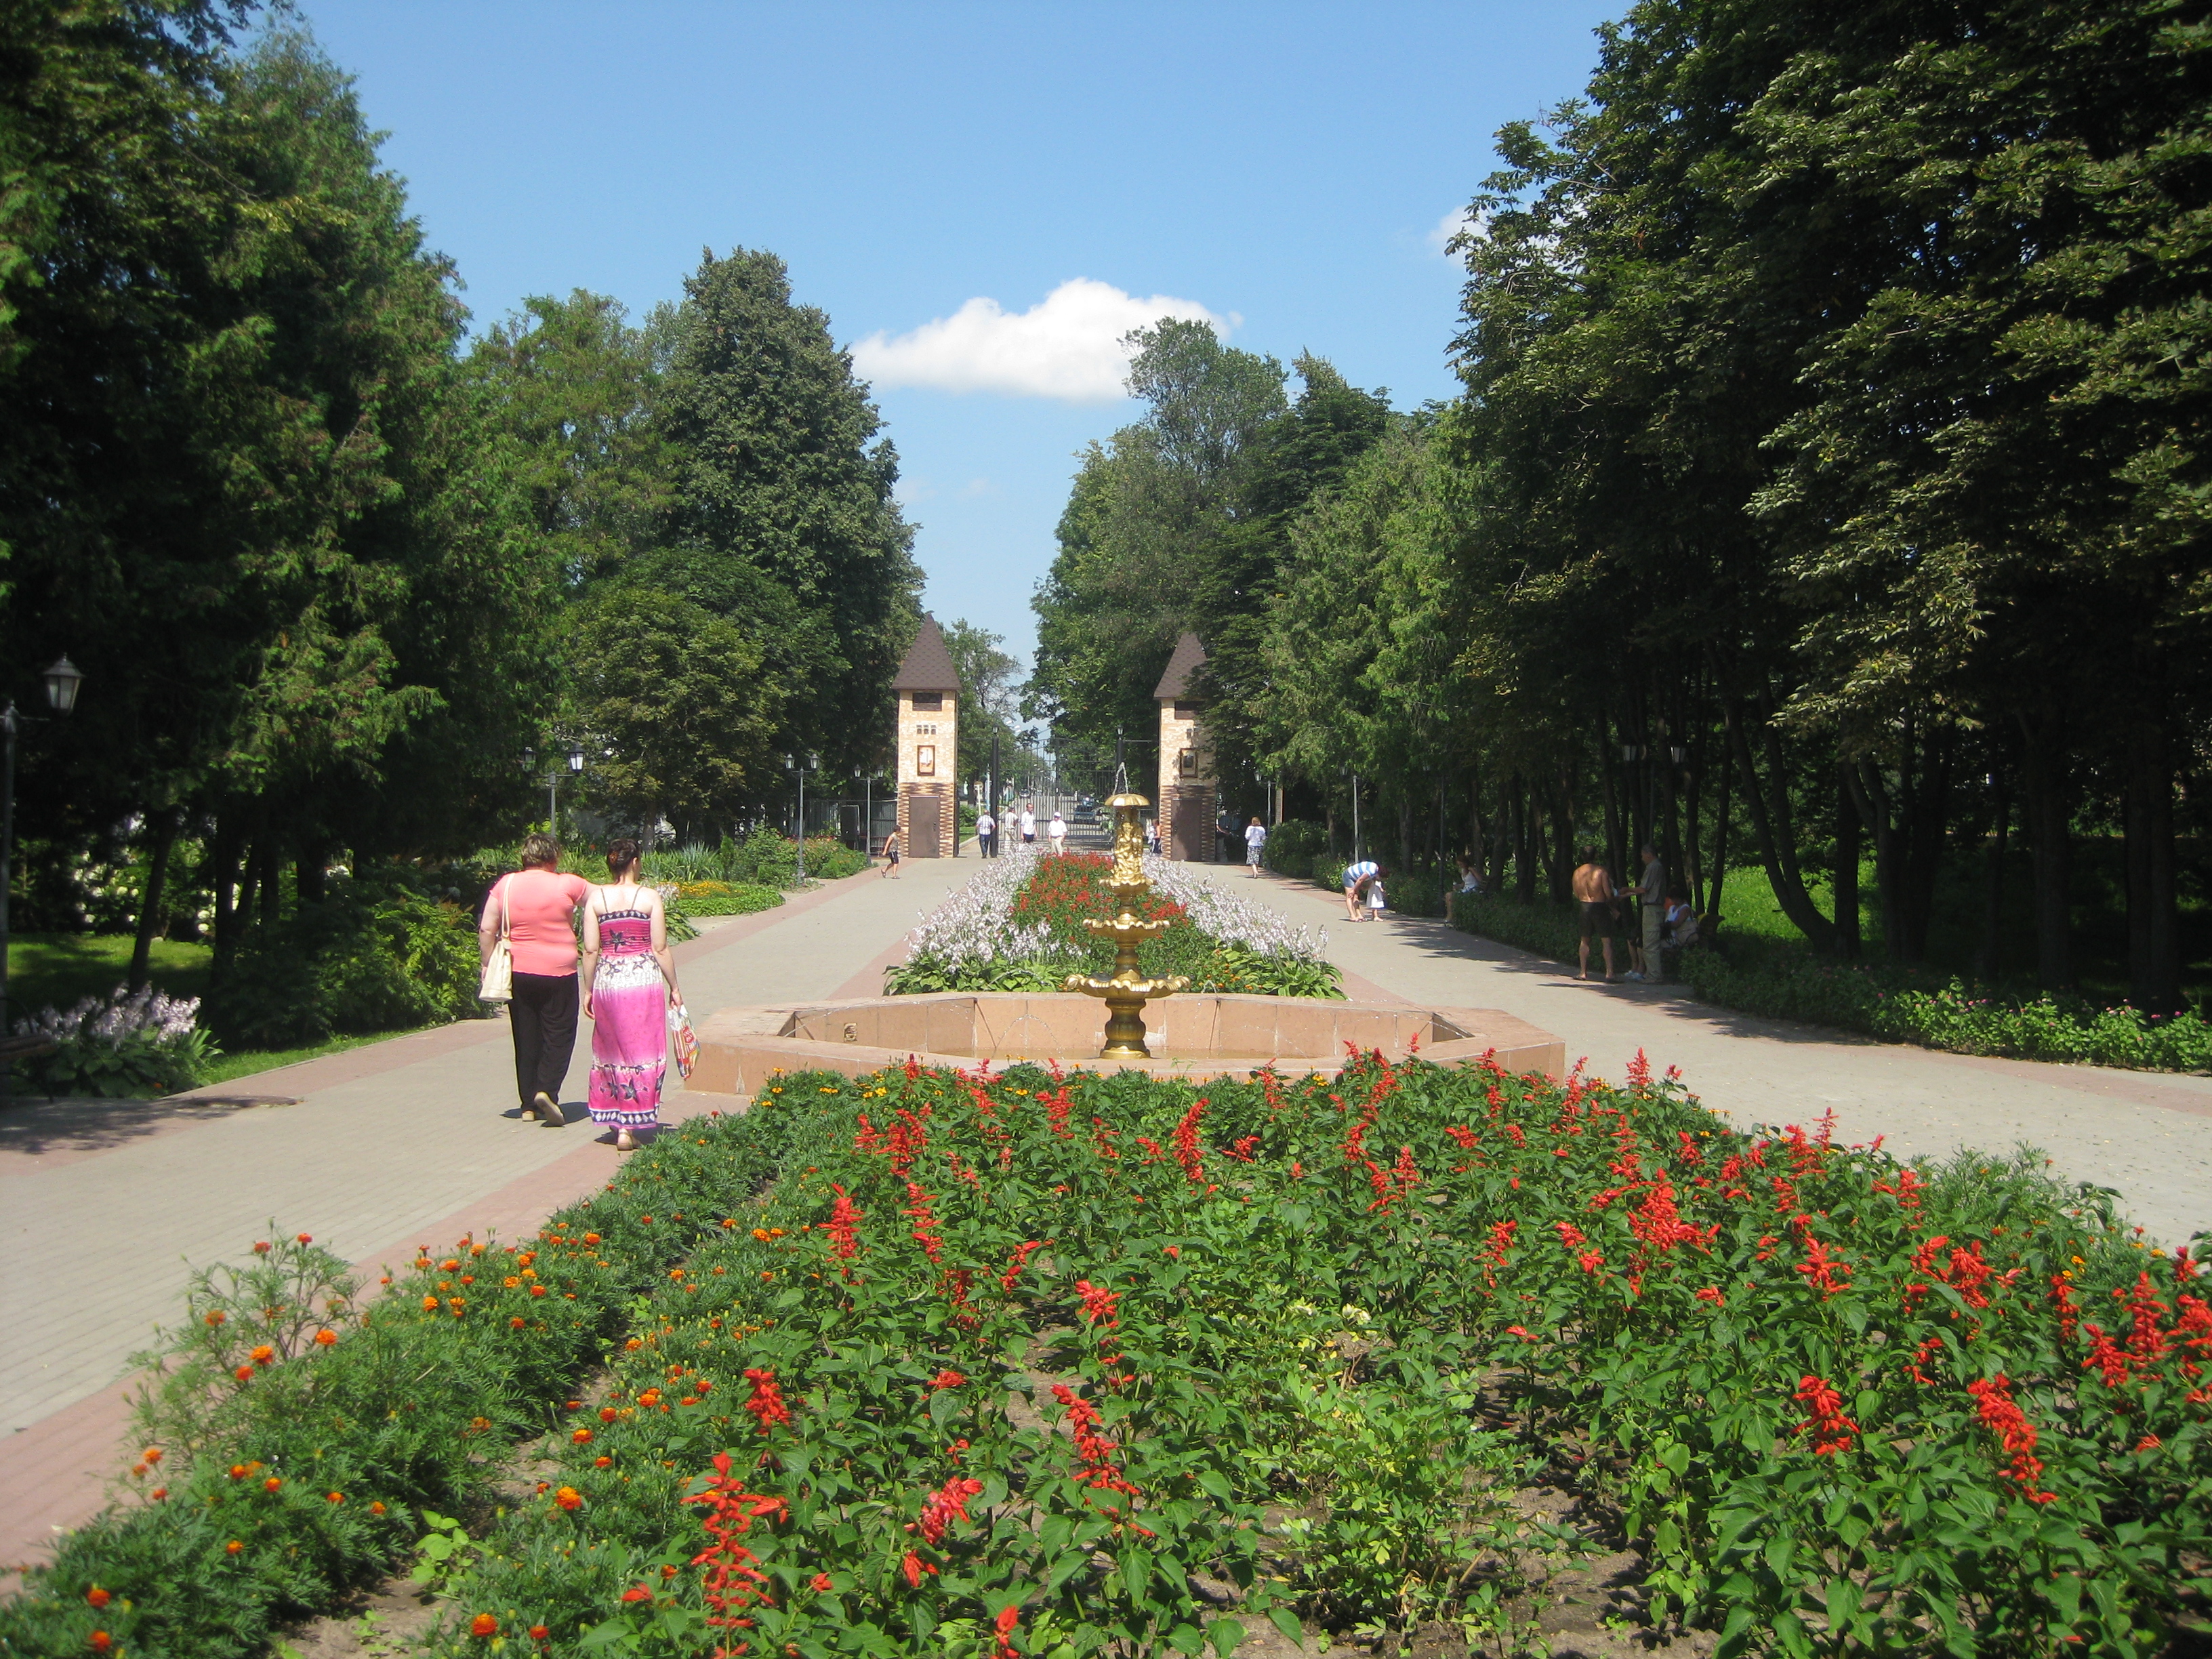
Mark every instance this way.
x=1124 y=992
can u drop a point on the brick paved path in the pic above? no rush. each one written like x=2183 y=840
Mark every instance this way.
x=106 y=1206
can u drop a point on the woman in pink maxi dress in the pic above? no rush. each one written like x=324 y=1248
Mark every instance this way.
x=631 y=977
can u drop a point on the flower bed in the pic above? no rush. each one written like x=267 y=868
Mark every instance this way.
x=130 y=1043
x=1019 y=927
x=932 y=1364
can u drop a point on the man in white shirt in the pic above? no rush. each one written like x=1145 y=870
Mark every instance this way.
x=1256 y=838
x=1029 y=823
x=986 y=831
x=1056 y=833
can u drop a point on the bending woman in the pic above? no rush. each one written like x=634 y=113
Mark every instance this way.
x=631 y=975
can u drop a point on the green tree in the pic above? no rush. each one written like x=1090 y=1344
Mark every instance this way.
x=1144 y=511
x=988 y=698
x=781 y=518
x=677 y=712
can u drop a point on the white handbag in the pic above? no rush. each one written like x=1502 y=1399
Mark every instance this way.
x=498 y=983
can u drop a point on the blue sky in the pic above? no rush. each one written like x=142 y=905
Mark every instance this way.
x=1283 y=168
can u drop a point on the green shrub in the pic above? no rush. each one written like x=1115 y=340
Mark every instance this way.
x=723 y=898
x=1779 y=979
x=1293 y=846
x=128 y=1043
x=375 y=955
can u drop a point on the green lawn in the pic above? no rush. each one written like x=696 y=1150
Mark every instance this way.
x=58 y=968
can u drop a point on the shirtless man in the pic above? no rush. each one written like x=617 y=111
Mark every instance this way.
x=1595 y=892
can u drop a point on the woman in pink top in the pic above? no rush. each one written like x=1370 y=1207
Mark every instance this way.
x=536 y=907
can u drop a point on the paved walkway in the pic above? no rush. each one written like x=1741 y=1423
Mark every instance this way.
x=413 y=1141
x=2146 y=1134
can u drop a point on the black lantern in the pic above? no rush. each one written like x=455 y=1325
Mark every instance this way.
x=63 y=680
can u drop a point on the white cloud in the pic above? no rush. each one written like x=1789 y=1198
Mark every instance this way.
x=1450 y=225
x=1068 y=345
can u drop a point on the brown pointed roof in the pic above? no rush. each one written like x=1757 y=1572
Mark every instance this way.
x=1189 y=657
x=928 y=665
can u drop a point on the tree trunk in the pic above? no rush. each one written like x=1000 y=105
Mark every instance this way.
x=1770 y=825
x=2049 y=811
x=1928 y=815
x=1991 y=959
x=222 y=876
x=150 y=913
x=1871 y=796
x=2154 y=957
x=1563 y=841
x=268 y=875
x=1847 y=867
x=1616 y=855
x=1720 y=842
x=307 y=874
x=1692 y=845
x=1405 y=829
x=1524 y=862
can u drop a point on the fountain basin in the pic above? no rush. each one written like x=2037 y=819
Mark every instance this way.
x=1192 y=1036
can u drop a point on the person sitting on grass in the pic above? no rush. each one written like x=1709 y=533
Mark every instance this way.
x=1470 y=881
x=1682 y=922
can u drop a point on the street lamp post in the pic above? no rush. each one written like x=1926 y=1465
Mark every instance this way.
x=798 y=766
x=62 y=680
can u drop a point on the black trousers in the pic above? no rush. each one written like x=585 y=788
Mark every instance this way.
x=544 y=1017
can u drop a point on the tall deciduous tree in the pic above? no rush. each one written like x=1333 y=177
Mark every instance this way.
x=781 y=518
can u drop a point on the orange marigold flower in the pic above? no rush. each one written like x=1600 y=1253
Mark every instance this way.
x=217 y=1317
x=305 y=1238
x=538 y=1289
x=238 y=1471
x=243 y=1373
x=263 y=1354
x=334 y=1496
x=484 y=1625
x=450 y=1265
x=515 y=1323
x=376 y=1509
x=272 y=1484
x=429 y=1304
x=538 y=1632
x=151 y=1455
x=97 y=1596
x=325 y=1337
x=582 y=1436
x=261 y=1247
x=512 y=1282
x=233 y=1547
x=158 y=1493
x=101 y=1641
x=603 y=1462
x=568 y=1497
x=591 y=1238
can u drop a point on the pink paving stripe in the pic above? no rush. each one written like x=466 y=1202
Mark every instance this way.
x=55 y=1476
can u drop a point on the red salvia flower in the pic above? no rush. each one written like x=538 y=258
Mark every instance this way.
x=1021 y=1254
x=1186 y=1143
x=844 y=1226
x=944 y=1506
x=766 y=1403
x=1097 y=1303
x=1831 y=1430
x=2005 y=1419
x=732 y=1580
x=1827 y=1273
x=1002 y=1633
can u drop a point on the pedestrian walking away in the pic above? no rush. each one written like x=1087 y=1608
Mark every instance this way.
x=1594 y=892
x=534 y=910
x=1056 y=833
x=1651 y=893
x=987 y=830
x=1256 y=841
x=1356 y=878
x=891 y=854
x=1029 y=823
x=632 y=979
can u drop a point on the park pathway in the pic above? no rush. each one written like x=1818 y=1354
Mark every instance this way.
x=2146 y=1134
x=106 y=1206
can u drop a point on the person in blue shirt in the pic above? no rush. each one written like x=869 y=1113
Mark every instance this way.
x=1357 y=878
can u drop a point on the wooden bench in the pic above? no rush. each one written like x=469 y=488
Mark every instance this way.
x=13 y=1049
